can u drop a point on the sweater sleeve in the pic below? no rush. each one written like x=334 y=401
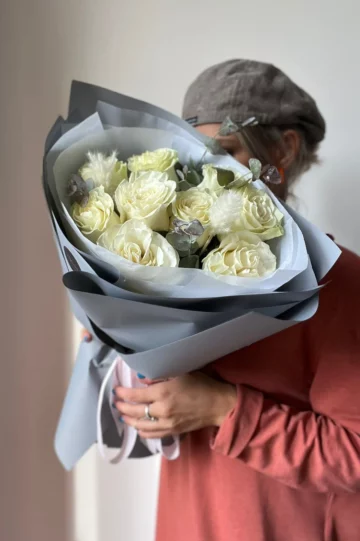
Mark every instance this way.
x=318 y=449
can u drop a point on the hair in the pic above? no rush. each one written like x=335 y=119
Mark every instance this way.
x=260 y=141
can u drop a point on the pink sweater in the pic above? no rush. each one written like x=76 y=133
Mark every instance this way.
x=285 y=464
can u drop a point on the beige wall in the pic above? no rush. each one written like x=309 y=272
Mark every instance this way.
x=150 y=50
x=34 y=492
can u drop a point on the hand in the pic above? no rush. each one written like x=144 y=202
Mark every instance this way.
x=180 y=405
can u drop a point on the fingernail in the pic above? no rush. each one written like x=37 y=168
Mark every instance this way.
x=88 y=338
x=140 y=376
x=121 y=419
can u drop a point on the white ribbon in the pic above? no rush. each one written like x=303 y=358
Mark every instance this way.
x=121 y=375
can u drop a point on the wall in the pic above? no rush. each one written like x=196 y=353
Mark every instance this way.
x=154 y=52
x=35 y=330
x=151 y=50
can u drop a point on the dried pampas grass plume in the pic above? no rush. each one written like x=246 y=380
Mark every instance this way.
x=225 y=213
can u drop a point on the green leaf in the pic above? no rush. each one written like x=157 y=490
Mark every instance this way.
x=178 y=225
x=190 y=262
x=255 y=167
x=271 y=175
x=181 y=242
x=194 y=178
x=194 y=248
x=192 y=229
x=212 y=145
x=240 y=182
x=228 y=127
x=77 y=190
x=224 y=176
x=192 y=164
x=183 y=186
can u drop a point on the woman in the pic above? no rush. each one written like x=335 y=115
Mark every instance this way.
x=272 y=451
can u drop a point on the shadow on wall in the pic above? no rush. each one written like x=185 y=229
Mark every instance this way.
x=35 y=499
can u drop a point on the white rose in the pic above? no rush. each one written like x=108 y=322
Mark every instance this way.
x=241 y=254
x=104 y=171
x=194 y=204
x=137 y=243
x=247 y=209
x=97 y=215
x=162 y=160
x=146 y=196
x=259 y=214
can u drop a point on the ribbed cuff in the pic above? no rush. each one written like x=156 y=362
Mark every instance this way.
x=238 y=427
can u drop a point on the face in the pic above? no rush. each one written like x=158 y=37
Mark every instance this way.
x=229 y=143
x=233 y=146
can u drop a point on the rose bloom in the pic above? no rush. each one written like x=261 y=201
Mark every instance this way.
x=146 y=196
x=194 y=204
x=241 y=254
x=137 y=243
x=97 y=215
x=260 y=215
x=162 y=160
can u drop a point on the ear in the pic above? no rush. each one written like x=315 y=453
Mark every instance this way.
x=290 y=148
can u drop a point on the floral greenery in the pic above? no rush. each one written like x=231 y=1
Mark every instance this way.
x=183 y=238
x=190 y=176
x=77 y=190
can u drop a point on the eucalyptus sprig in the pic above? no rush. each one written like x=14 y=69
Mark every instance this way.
x=78 y=190
x=188 y=176
x=190 y=229
x=255 y=167
x=183 y=238
x=270 y=174
x=254 y=174
x=228 y=127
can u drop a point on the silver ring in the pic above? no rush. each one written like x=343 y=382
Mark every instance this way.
x=149 y=417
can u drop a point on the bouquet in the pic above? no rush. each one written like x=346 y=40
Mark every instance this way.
x=155 y=216
x=174 y=255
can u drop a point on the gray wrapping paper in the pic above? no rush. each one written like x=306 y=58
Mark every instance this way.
x=157 y=336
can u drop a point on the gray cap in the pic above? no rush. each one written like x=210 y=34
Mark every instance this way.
x=244 y=88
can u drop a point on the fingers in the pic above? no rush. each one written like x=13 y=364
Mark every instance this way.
x=145 y=426
x=134 y=415
x=138 y=411
x=135 y=411
x=132 y=406
x=155 y=435
x=147 y=395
